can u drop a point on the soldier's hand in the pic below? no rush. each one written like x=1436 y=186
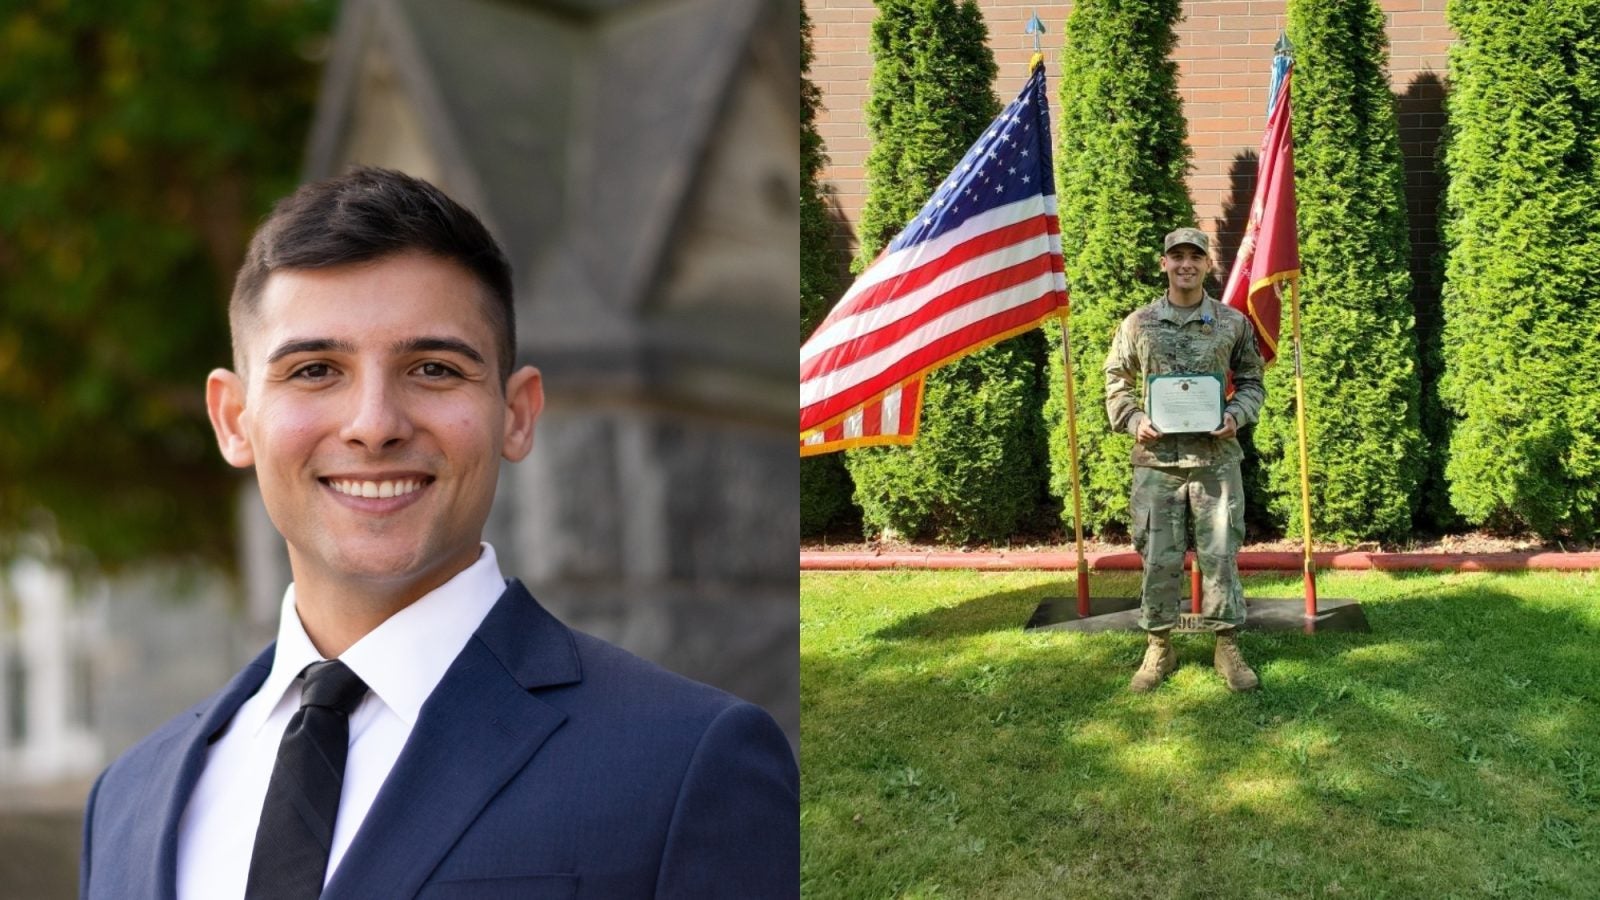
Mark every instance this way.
x=1147 y=432
x=1229 y=427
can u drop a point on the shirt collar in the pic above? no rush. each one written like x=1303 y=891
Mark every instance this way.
x=403 y=659
x=1208 y=307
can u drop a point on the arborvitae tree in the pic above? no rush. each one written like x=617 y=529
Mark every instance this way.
x=817 y=263
x=929 y=99
x=1121 y=159
x=824 y=484
x=1521 y=292
x=976 y=469
x=1357 y=323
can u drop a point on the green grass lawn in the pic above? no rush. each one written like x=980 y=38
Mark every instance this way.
x=1452 y=752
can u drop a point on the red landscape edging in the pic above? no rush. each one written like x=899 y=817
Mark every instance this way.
x=1256 y=561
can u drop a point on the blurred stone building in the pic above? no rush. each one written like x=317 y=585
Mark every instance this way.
x=639 y=160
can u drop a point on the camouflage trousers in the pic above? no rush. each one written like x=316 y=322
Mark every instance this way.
x=1165 y=501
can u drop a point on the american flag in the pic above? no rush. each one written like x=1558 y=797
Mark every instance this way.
x=980 y=263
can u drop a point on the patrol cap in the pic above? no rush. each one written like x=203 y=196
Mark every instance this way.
x=1192 y=236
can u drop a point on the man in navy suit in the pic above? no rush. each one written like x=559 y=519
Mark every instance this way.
x=422 y=727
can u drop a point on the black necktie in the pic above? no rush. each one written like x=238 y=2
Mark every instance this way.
x=296 y=830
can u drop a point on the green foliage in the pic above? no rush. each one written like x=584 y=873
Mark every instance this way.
x=818 y=258
x=1434 y=511
x=1121 y=159
x=137 y=150
x=1359 y=343
x=929 y=100
x=825 y=486
x=1521 y=293
x=826 y=510
x=976 y=469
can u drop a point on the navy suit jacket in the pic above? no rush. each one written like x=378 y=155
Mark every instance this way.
x=547 y=763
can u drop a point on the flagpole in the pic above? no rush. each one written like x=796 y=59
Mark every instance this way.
x=1309 y=566
x=1036 y=28
x=1077 y=484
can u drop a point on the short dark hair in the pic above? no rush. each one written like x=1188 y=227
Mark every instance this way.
x=364 y=215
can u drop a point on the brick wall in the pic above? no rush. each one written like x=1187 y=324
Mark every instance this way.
x=1224 y=57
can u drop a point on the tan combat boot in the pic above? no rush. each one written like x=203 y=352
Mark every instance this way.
x=1159 y=661
x=1231 y=665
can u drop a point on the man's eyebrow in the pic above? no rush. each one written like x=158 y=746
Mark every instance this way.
x=437 y=344
x=310 y=345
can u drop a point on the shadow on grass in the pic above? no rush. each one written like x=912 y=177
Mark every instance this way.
x=1453 y=751
x=993 y=612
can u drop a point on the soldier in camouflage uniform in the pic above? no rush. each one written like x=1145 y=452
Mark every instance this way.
x=1179 y=477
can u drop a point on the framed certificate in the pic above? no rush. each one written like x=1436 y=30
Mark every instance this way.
x=1180 y=404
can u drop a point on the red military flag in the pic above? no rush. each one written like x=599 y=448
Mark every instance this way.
x=979 y=263
x=1269 y=254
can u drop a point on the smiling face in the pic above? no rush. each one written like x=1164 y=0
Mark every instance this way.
x=371 y=406
x=1186 y=267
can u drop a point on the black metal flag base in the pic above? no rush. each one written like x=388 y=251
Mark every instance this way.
x=1261 y=614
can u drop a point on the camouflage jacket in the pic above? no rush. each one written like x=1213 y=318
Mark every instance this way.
x=1150 y=341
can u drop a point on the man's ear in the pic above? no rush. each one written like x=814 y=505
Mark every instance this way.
x=225 y=395
x=524 y=402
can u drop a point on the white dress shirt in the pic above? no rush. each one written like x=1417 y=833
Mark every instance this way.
x=401 y=660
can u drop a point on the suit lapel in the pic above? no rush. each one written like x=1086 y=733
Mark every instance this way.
x=183 y=756
x=476 y=731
